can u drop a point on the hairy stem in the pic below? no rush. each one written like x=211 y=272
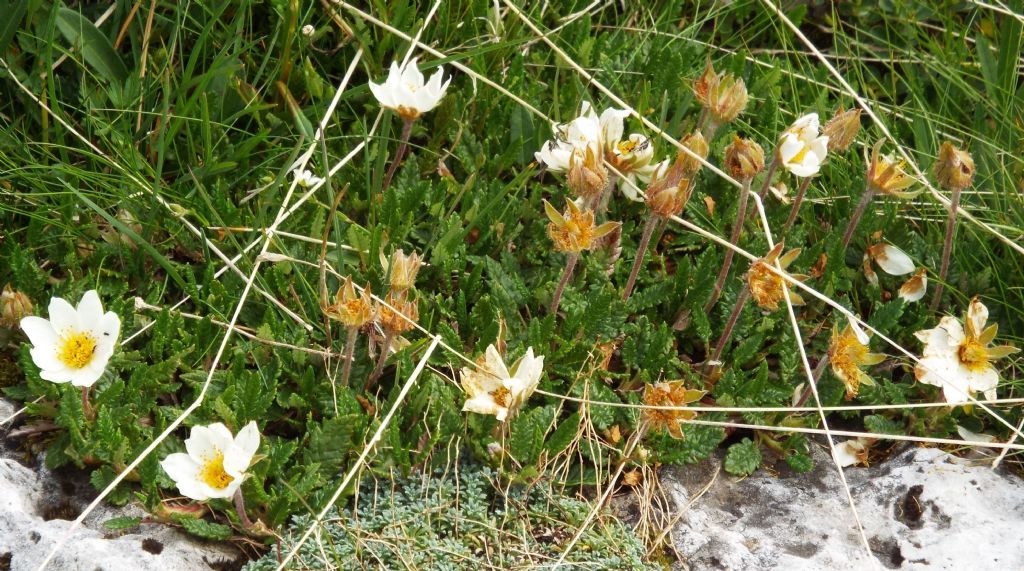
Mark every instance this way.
x=862 y=207
x=570 y=265
x=741 y=302
x=768 y=174
x=240 y=508
x=645 y=239
x=815 y=377
x=797 y=200
x=87 y=409
x=350 y=349
x=947 y=247
x=605 y=198
x=400 y=154
x=379 y=368
x=734 y=238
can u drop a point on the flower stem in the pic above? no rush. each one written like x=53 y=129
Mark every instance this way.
x=570 y=265
x=350 y=349
x=947 y=247
x=240 y=508
x=709 y=128
x=645 y=239
x=400 y=154
x=379 y=368
x=768 y=174
x=815 y=377
x=797 y=200
x=741 y=215
x=741 y=302
x=862 y=206
x=605 y=198
x=87 y=409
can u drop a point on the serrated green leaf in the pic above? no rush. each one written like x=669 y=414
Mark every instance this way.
x=122 y=523
x=206 y=529
x=743 y=458
x=527 y=434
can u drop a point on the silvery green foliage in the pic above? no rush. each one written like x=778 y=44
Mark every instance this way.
x=454 y=521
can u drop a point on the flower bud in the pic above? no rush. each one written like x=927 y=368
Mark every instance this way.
x=696 y=143
x=587 y=175
x=404 y=269
x=726 y=99
x=703 y=85
x=667 y=200
x=13 y=306
x=842 y=129
x=744 y=159
x=954 y=168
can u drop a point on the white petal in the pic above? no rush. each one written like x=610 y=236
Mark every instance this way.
x=46 y=358
x=978 y=314
x=612 y=125
x=40 y=332
x=954 y=329
x=846 y=452
x=819 y=147
x=206 y=441
x=383 y=95
x=495 y=362
x=789 y=146
x=974 y=436
x=482 y=404
x=411 y=75
x=806 y=126
x=983 y=381
x=894 y=261
x=238 y=456
x=90 y=309
x=63 y=375
x=181 y=467
x=89 y=374
x=63 y=316
x=862 y=336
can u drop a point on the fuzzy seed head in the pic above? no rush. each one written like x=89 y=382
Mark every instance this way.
x=743 y=159
x=726 y=99
x=587 y=175
x=842 y=129
x=13 y=306
x=696 y=143
x=954 y=168
x=351 y=309
x=398 y=313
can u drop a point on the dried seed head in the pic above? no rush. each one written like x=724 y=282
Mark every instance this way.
x=702 y=85
x=587 y=175
x=743 y=159
x=667 y=200
x=886 y=175
x=954 y=168
x=352 y=310
x=696 y=143
x=13 y=306
x=766 y=286
x=726 y=99
x=842 y=129
x=404 y=269
x=398 y=313
x=666 y=394
x=574 y=231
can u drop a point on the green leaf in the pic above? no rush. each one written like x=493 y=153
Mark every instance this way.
x=743 y=458
x=528 y=431
x=882 y=425
x=14 y=12
x=206 y=529
x=122 y=523
x=330 y=442
x=97 y=50
x=564 y=434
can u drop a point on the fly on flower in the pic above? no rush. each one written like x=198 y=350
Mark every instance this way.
x=215 y=463
x=494 y=389
x=958 y=358
x=75 y=344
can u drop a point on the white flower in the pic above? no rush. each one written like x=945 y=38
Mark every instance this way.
x=852 y=452
x=74 y=345
x=492 y=389
x=407 y=93
x=891 y=259
x=958 y=359
x=308 y=30
x=631 y=156
x=306 y=178
x=215 y=464
x=801 y=149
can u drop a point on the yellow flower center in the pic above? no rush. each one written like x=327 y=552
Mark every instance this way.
x=76 y=350
x=626 y=147
x=502 y=397
x=973 y=355
x=799 y=157
x=213 y=473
